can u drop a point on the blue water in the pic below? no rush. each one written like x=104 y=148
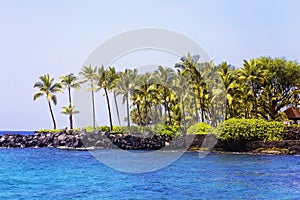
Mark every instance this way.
x=61 y=174
x=17 y=132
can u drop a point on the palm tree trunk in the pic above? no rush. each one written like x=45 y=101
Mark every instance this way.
x=146 y=111
x=52 y=115
x=109 y=112
x=226 y=108
x=117 y=108
x=70 y=102
x=169 y=115
x=196 y=110
x=94 y=114
x=139 y=113
x=71 y=121
x=128 y=116
x=69 y=91
x=166 y=105
x=255 y=100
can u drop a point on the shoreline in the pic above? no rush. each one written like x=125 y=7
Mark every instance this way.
x=84 y=141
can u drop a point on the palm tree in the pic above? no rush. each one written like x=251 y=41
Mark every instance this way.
x=70 y=81
x=89 y=75
x=125 y=86
x=228 y=81
x=189 y=68
x=106 y=80
x=144 y=89
x=254 y=74
x=182 y=89
x=70 y=110
x=48 y=88
x=165 y=77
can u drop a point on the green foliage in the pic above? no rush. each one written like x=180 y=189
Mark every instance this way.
x=50 y=131
x=118 y=129
x=199 y=128
x=89 y=129
x=103 y=128
x=251 y=130
x=136 y=129
x=163 y=129
x=281 y=117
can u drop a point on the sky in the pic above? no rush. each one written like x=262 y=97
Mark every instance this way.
x=56 y=37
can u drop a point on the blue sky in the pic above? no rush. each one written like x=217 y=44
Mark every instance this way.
x=55 y=37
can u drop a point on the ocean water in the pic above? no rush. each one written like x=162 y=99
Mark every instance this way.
x=50 y=173
x=17 y=132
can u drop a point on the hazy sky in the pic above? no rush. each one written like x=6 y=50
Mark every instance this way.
x=55 y=37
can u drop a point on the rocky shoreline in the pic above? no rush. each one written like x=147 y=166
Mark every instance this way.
x=76 y=140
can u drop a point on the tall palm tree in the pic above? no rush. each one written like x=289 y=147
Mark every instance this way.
x=70 y=81
x=182 y=89
x=143 y=93
x=89 y=74
x=48 y=88
x=229 y=83
x=106 y=80
x=70 y=110
x=189 y=67
x=165 y=76
x=254 y=74
x=125 y=86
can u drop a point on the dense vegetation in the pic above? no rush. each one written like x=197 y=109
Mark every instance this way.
x=251 y=130
x=172 y=99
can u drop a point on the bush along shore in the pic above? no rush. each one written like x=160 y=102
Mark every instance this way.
x=77 y=140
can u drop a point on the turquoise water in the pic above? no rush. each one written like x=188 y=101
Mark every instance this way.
x=61 y=174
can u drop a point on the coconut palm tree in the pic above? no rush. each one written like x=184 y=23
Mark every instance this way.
x=229 y=82
x=254 y=74
x=190 y=69
x=125 y=86
x=106 y=80
x=183 y=91
x=70 y=110
x=70 y=81
x=48 y=88
x=165 y=77
x=89 y=76
x=144 y=89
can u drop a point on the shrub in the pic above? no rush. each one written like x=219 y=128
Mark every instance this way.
x=199 y=128
x=50 y=130
x=118 y=129
x=164 y=129
x=251 y=130
x=103 y=128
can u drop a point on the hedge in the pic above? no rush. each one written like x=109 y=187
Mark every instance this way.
x=251 y=130
x=199 y=128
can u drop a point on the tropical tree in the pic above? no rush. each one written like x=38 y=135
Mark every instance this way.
x=143 y=94
x=182 y=89
x=229 y=82
x=281 y=87
x=189 y=68
x=125 y=86
x=106 y=80
x=165 y=77
x=69 y=81
x=254 y=74
x=70 y=110
x=89 y=76
x=48 y=87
